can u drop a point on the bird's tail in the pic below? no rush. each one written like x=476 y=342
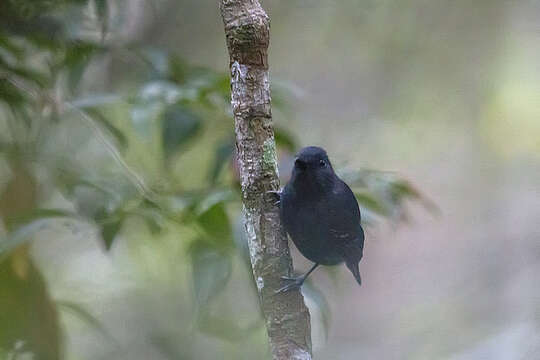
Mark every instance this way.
x=353 y=266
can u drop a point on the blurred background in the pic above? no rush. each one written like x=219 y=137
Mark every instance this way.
x=121 y=235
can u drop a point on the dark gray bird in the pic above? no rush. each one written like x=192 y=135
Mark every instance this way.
x=321 y=215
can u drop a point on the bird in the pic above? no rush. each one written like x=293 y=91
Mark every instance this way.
x=320 y=213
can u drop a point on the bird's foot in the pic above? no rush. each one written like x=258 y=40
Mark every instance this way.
x=293 y=283
x=276 y=194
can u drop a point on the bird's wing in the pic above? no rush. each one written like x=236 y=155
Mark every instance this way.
x=344 y=214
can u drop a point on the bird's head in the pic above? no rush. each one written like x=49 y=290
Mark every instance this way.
x=312 y=166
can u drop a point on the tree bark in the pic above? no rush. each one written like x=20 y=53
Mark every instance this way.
x=247 y=30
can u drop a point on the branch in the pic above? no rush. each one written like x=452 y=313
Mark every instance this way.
x=247 y=30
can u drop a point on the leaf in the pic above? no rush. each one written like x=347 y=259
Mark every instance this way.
x=226 y=327
x=28 y=321
x=84 y=315
x=14 y=49
x=384 y=194
x=157 y=59
x=101 y=8
x=19 y=237
x=110 y=222
x=179 y=69
x=118 y=135
x=77 y=57
x=165 y=92
x=354 y=178
x=285 y=139
x=24 y=73
x=179 y=126
x=152 y=216
x=212 y=216
x=27 y=225
x=102 y=12
x=318 y=297
x=143 y=116
x=10 y=94
x=211 y=271
x=37 y=214
x=282 y=93
x=222 y=155
x=96 y=100
x=402 y=189
x=221 y=87
x=368 y=201
x=215 y=222
x=109 y=230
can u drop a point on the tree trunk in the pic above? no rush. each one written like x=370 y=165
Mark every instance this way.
x=247 y=30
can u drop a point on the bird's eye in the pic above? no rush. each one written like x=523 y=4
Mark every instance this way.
x=322 y=163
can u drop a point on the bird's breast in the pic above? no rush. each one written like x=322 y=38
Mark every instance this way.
x=307 y=225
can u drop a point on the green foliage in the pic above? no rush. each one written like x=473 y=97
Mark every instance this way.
x=179 y=126
x=318 y=297
x=383 y=194
x=285 y=139
x=84 y=315
x=174 y=110
x=211 y=271
x=24 y=293
x=27 y=225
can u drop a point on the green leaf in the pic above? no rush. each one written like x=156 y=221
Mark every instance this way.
x=14 y=49
x=102 y=12
x=157 y=59
x=283 y=92
x=27 y=225
x=28 y=321
x=318 y=297
x=101 y=8
x=10 y=94
x=180 y=125
x=118 y=135
x=75 y=74
x=24 y=73
x=37 y=214
x=402 y=189
x=222 y=155
x=110 y=222
x=84 y=315
x=77 y=57
x=165 y=92
x=226 y=327
x=179 y=69
x=213 y=198
x=96 y=100
x=368 y=201
x=109 y=230
x=211 y=270
x=215 y=222
x=285 y=139
x=20 y=236
x=152 y=216
x=143 y=117
x=354 y=178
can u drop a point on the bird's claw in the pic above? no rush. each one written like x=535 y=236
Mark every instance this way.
x=295 y=283
x=288 y=278
x=275 y=193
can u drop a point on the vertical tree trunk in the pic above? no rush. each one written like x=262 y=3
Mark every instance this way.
x=247 y=30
